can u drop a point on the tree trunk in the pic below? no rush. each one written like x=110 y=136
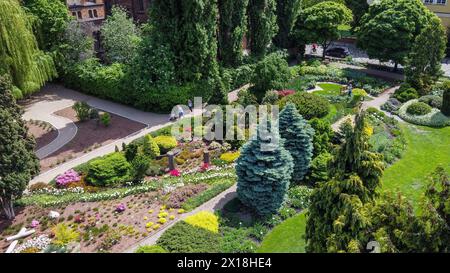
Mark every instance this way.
x=324 y=48
x=8 y=208
x=395 y=67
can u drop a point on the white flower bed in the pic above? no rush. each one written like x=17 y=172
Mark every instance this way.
x=55 y=191
x=41 y=242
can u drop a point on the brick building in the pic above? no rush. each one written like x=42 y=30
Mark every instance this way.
x=87 y=10
x=138 y=9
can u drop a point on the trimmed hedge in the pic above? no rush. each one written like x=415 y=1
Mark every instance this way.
x=109 y=170
x=418 y=109
x=308 y=105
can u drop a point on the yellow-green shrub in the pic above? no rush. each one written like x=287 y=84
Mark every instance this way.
x=230 y=157
x=204 y=219
x=165 y=143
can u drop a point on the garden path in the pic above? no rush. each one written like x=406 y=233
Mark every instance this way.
x=212 y=205
x=53 y=97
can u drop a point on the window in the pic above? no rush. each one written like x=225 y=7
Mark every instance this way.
x=428 y=1
x=95 y=13
x=441 y=2
x=74 y=14
x=90 y=14
x=80 y=16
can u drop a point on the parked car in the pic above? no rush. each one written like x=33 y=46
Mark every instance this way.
x=339 y=52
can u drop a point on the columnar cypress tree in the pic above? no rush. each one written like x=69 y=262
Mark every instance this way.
x=18 y=163
x=232 y=28
x=20 y=57
x=264 y=174
x=446 y=100
x=298 y=136
x=337 y=220
x=287 y=12
x=262 y=25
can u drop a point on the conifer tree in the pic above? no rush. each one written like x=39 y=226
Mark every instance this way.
x=298 y=136
x=264 y=170
x=262 y=25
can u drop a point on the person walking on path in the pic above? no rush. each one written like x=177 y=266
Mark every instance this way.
x=350 y=90
x=190 y=105
x=180 y=112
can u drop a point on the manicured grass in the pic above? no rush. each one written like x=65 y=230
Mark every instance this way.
x=329 y=89
x=427 y=148
x=288 y=237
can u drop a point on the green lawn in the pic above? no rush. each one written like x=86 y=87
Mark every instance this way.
x=427 y=148
x=329 y=89
x=286 y=237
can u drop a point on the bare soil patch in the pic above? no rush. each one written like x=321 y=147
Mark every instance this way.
x=43 y=132
x=91 y=135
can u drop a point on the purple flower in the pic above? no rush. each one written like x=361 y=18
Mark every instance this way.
x=120 y=208
x=67 y=178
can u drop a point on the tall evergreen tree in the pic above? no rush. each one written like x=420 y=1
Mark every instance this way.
x=337 y=220
x=20 y=57
x=18 y=163
x=262 y=25
x=298 y=136
x=423 y=66
x=232 y=28
x=264 y=170
x=287 y=12
x=446 y=99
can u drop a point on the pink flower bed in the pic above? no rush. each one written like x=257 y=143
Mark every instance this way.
x=285 y=93
x=67 y=178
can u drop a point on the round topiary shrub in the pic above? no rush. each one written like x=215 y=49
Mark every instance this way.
x=418 y=109
x=406 y=93
x=165 y=143
x=308 y=105
x=432 y=100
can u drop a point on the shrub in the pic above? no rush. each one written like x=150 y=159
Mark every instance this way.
x=105 y=119
x=64 y=235
x=139 y=167
x=235 y=240
x=246 y=98
x=204 y=219
x=319 y=168
x=82 y=110
x=418 y=109
x=309 y=105
x=185 y=238
x=299 y=197
x=406 y=93
x=165 y=143
x=392 y=105
x=150 y=147
x=271 y=73
x=433 y=119
x=432 y=100
x=270 y=98
x=109 y=170
x=151 y=249
x=229 y=157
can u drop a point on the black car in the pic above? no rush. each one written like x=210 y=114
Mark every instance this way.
x=338 y=52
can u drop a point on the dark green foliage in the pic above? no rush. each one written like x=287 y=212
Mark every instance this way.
x=131 y=151
x=322 y=135
x=287 y=12
x=418 y=109
x=109 y=170
x=139 y=167
x=82 y=110
x=50 y=21
x=434 y=101
x=319 y=169
x=298 y=136
x=105 y=119
x=264 y=170
x=271 y=73
x=299 y=197
x=232 y=28
x=405 y=93
x=262 y=25
x=320 y=23
x=234 y=240
x=309 y=105
x=184 y=238
x=446 y=100
x=388 y=30
x=18 y=163
x=423 y=67
x=358 y=8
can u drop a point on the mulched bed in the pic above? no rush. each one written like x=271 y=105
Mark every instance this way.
x=90 y=135
x=43 y=132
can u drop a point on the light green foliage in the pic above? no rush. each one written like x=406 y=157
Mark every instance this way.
x=151 y=249
x=320 y=23
x=388 y=30
x=64 y=235
x=309 y=105
x=17 y=159
x=20 y=58
x=150 y=147
x=262 y=25
x=298 y=136
x=204 y=219
x=322 y=135
x=423 y=66
x=264 y=170
x=434 y=118
x=77 y=46
x=165 y=143
x=105 y=119
x=418 y=109
x=107 y=171
x=120 y=36
x=405 y=93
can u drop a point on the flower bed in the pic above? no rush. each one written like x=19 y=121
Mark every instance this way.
x=433 y=119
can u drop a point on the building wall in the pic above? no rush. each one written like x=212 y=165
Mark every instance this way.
x=441 y=8
x=87 y=10
x=138 y=9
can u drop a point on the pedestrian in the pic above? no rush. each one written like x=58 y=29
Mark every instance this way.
x=172 y=117
x=180 y=112
x=314 y=48
x=190 y=105
x=350 y=90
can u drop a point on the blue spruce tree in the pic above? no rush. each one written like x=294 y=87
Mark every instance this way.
x=298 y=140
x=264 y=172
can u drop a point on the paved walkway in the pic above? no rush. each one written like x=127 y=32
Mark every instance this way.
x=56 y=97
x=212 y=205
